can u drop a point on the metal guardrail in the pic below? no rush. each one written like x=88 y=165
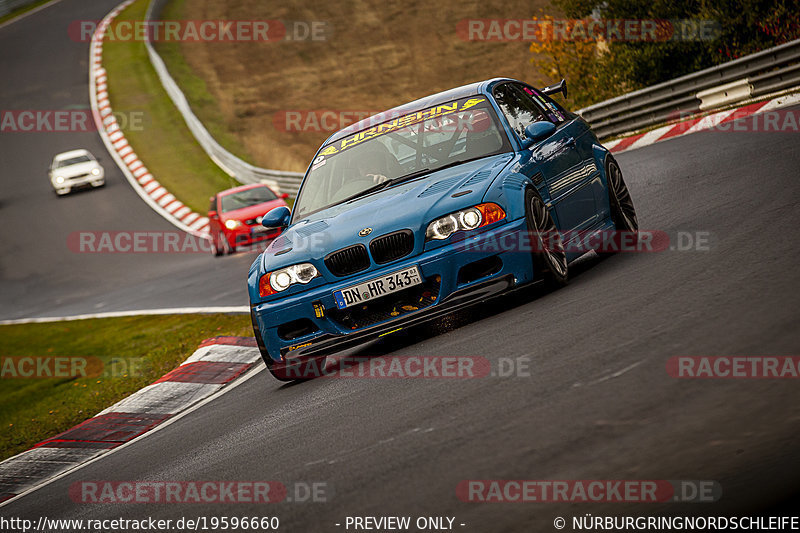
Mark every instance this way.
x=240 y=170
x=768 y=71
x=7 y=6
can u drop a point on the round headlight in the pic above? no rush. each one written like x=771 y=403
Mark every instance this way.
x=305 y=272
x=444 y=227
x=280 y=281
x=470 y=219
x=232 y=224
x=59 y=179
x=95 y=171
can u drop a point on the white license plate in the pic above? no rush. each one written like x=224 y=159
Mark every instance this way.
x=375 y=288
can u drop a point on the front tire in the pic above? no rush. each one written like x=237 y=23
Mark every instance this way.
x=296 y=371
x=216 y=250
x=549 y=256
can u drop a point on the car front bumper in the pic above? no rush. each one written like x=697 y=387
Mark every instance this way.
x=74 y=183
x=442 y=269
x=247 y=236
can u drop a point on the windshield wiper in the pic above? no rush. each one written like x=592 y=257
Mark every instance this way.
x=368 y=190
x=407 y=177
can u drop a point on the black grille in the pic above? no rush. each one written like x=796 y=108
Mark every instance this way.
x=392 y=246
x=348 y=260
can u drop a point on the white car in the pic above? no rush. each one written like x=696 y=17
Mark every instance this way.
x=73 y=169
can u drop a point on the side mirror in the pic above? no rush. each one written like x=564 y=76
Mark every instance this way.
x=276 y=218
x=537 y=131
x=212 y=214
x=284 y=196
x=560 y=87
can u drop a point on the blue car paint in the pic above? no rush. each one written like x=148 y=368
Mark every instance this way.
x=567 y=170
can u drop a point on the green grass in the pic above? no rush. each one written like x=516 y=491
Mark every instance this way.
x=21 y=10
x=162 y=141
x=135 y=352
x=203 y=104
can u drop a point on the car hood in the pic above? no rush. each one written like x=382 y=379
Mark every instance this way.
x=252 y=211
x=412 y=205
x=75 y=170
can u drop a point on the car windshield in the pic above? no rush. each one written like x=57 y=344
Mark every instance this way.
x=429 y=139
x=73 y=161
x=246 y=198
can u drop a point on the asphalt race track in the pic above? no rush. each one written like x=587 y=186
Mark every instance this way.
x=43 y=69
x=598 y=403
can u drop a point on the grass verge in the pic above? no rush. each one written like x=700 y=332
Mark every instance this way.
x=135 y=351
x=204 y=105
x=22 y=10
x=161 y=139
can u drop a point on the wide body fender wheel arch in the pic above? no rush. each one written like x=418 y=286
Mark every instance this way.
x=549 y=257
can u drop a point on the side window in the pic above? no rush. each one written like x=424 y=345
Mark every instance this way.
x=553 y=111
x=519 y=111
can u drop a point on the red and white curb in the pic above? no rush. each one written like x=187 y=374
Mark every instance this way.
x=151 y=191
x=700 y=123
x=218 y=363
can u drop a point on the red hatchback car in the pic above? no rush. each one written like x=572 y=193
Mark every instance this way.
x=235 y=217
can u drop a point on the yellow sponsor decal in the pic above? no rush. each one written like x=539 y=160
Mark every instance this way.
x=298 y=346
x=402 y=122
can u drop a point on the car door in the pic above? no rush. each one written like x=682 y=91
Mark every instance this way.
x=562 y=161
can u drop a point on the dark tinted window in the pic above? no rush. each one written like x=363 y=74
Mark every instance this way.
x=554 y=112
x=246 y=198
x=518 y=109
x=73 y=161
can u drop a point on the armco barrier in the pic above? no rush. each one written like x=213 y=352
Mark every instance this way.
x=760 y=74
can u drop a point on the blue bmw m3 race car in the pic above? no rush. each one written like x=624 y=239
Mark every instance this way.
x=431 y=206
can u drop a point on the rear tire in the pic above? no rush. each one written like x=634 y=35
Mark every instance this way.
x=623 y=213
x=549 y=256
